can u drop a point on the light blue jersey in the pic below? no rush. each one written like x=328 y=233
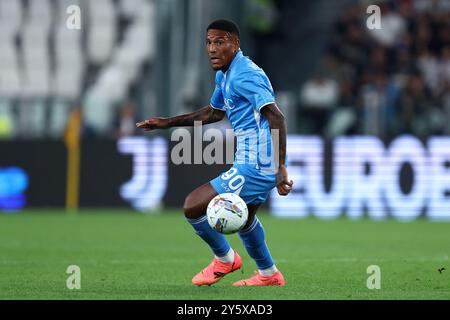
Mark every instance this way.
x=242 y=92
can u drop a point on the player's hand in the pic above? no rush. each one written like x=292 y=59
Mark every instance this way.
x=284 y=186
x=153 y=123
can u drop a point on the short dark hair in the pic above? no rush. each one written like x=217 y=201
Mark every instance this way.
x=225 y=25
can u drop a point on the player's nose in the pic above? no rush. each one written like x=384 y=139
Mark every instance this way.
x=211 y=48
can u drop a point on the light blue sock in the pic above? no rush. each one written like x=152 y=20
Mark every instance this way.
x=253 y=238
x=216 y=241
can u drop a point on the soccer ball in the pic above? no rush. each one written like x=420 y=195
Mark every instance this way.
x=227 y=213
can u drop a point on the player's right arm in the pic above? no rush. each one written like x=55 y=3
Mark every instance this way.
x=206 y=115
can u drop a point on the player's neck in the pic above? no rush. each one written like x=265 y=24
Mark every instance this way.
x=225 y=68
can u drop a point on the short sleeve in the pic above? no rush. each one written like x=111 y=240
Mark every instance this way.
x=217 y=97
x=256 y=89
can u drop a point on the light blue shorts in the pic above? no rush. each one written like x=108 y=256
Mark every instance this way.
x=247 y=182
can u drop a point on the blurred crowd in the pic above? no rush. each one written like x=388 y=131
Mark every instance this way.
x=387 y=81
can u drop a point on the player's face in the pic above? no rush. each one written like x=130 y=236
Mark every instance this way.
x=221 y=47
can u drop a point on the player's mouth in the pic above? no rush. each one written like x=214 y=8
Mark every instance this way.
x=214 y=60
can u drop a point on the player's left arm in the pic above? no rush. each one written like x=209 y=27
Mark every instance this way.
x=277 y=122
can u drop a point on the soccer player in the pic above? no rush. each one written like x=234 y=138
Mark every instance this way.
x=244 y=94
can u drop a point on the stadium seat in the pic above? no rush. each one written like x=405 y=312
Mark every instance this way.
x=36 y=82
x=35 y=49
x=35 y=46
x=10 y=16
x=10 y=79
x=40 y=14
x=67 y=83
x=100 y=44
x=8 y=53
x=36 y=69
x=69 y=64
x=10 y=83
x=125 y=58
x=129 y=8
x=102 y=30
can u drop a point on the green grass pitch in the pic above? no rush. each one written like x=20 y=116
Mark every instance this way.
x=126 y=255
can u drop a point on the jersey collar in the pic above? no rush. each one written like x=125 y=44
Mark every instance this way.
x=238 y=55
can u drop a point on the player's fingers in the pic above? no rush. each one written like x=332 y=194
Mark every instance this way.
x=282 y=192
x=286 y=191
x=283 y=188
x=286 y=184
x=143 y=124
